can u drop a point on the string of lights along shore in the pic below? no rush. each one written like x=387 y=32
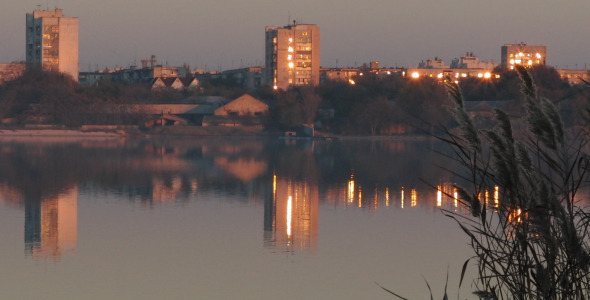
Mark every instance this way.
x=292 y=58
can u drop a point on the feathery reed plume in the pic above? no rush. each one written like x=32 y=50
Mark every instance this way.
x=534 y=243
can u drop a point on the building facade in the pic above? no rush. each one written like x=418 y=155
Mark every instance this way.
x=470 y=61
x=436 y=63
x=575 y=76
x=249 y=77
x=292 y=55
x=523 y=54
x=52 y=42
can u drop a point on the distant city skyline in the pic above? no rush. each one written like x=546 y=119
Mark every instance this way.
x=220 y=35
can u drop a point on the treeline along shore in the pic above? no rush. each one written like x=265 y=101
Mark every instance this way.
x=46 y=103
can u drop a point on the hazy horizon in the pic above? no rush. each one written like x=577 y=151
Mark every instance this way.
x=219 y=35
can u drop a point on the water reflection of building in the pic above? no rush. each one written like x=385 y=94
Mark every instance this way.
x=51 y=225
x=165 y=191
x=244 y=169
x=291 y=216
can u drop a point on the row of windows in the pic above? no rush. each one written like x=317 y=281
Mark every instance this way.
x=50 y=36
x=304 y=48
x=37 y=52
x=300 y=80
x=303 y=56
x=50 y=52
x=51 y=29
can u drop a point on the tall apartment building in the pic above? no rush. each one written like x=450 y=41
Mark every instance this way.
x=52 y=42
x=292 y=55
x=523 y=54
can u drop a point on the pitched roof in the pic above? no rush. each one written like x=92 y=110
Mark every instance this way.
x=188 y=81
x=173 y=82
x=243 y=104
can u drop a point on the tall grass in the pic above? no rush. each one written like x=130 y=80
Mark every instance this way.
x=533 y=243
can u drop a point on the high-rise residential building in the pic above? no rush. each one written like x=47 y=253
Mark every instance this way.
x=52 y=42
x=292 y=55
x=523 y=54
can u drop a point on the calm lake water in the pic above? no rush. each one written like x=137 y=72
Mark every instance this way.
x=220 y=218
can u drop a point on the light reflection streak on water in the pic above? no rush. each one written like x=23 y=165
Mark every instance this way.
x=289 y=215
x=360 y=197
x=496 y=196
x=387 y=197
x=413 y=197
x=194 y=186
x=402 y=198
x=439 y=196
x=351 y=189
x=455 y=198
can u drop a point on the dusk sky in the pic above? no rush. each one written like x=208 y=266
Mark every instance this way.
x=225 y=34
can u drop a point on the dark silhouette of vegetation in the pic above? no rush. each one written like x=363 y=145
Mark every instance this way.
x=374 y=104
x=295 y=107
x=532 y=243
x=530 y=239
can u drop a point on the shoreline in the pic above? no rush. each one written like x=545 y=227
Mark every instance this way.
x=183 y=132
